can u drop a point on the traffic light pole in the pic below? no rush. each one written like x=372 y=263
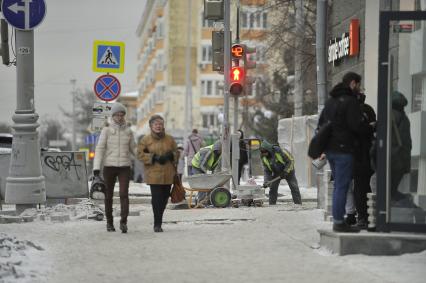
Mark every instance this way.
x=227 y=68
x=25 y=185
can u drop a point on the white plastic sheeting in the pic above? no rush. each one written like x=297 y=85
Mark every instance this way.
x=294 y=134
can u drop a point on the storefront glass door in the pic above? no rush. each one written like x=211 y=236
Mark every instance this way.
x=401 y=172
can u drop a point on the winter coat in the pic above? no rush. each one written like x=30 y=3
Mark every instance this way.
x=365 y=141
x=401 y=137
x=114 y=147
x=154 y=172
x=192 y=146
x=278 y=161
x=343 y=109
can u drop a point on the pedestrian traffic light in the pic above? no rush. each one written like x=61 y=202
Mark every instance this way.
x=237 y=80
x=217 y=48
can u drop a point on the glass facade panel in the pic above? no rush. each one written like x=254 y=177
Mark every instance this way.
x=406 y=189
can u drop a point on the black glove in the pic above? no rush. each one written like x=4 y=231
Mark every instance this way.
x=96 y=173
x=283 y=175
x=159 y=158
x=169 y=156
x=265 y=185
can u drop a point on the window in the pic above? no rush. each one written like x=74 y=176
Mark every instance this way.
x=205 y=121
x=209 y=120
x=265 y=20
x=160 y=29
x=211 y=87
x=244 y=16
x=254 y=19
x=206 y=54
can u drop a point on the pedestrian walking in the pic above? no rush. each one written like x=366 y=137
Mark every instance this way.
x=192 y=146
x=158 y=152
x=278 y=162
x=343 y=111
x=116 y=144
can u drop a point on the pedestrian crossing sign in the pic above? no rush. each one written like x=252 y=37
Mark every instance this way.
x=108 y=56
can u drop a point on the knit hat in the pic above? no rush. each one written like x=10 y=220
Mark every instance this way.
x=118 y=107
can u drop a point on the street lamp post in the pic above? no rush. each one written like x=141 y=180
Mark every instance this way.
x=73 y=144
x=25 y=184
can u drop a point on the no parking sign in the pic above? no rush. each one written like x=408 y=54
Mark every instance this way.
x=107 y=87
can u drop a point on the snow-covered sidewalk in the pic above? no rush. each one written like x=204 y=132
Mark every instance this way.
x=247 y=244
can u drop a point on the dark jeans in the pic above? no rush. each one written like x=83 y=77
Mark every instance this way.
x=362 y=187
x=342 y=169
x=294 y=188
x=110 y=176
x=159 y=197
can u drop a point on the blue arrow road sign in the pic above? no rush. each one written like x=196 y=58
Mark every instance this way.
x=107 y=87
x=24 y=14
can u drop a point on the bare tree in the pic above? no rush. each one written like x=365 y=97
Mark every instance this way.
x=275 y=91
x=83 y=112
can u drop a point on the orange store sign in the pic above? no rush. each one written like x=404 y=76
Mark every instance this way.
x=347 y=45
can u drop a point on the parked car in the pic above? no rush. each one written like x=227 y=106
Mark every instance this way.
x=5 y=143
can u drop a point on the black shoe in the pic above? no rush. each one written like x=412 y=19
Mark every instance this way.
x=345 y=228
x=350 y=219
x=362 y=224
x=110 y=227
x=123 y=227
x=158 y=229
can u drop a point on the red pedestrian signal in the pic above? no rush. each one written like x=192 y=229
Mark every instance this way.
x=237 y=81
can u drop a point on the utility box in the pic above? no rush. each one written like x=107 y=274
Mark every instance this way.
x=213 y=10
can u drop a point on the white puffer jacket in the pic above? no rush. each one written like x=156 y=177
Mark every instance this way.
x=114 y=147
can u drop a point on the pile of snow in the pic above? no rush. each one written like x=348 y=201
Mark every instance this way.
x=13 y=258
x=85 y=209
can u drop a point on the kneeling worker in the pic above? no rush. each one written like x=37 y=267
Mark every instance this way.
x=279 y=162
x=206 y=159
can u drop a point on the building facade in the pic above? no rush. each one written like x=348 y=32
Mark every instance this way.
x=162 y=64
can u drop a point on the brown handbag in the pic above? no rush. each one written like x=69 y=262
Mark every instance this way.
x=178 y=192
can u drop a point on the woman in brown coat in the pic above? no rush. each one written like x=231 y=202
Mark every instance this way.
x=158 y=152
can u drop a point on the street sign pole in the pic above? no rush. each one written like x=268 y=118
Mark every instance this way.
x=227 y=67
x=25 y=185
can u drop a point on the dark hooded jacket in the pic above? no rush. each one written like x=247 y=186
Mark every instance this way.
x=401 y=136
x=343 y=110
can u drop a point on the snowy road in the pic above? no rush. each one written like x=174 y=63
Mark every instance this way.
x=269 y=244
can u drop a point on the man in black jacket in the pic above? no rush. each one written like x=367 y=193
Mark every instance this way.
x=343 y=110
x=362 y=162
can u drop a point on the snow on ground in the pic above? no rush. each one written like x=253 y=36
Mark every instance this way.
x=247 y=244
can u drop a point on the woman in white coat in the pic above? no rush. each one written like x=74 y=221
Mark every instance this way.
x=113 y=150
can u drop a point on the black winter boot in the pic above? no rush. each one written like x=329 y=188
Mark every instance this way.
x=123 y=227
x=350 y=219
x=110 y=227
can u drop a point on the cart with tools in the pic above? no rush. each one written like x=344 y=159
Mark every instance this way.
x=212 y=184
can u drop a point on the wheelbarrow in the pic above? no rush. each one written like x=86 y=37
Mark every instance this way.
x=212 y=184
